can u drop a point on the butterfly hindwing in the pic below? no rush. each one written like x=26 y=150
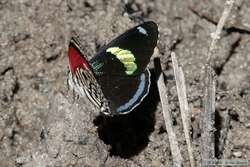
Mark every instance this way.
x=81 y=77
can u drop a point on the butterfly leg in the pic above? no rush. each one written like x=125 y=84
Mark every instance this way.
x=75 y=96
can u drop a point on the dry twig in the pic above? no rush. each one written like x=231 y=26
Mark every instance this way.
x=216 y=35
x=207 y=118
x=185 y=113
x=175 y=151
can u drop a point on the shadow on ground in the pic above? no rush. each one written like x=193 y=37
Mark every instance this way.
x=129 y=134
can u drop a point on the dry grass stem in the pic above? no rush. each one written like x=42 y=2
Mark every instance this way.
x=208 y=115
x=185 y=113
x=175 y=151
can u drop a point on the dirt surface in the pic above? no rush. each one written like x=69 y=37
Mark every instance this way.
x=41 y=126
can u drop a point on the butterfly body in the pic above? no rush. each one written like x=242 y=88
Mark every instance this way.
x=116 y=80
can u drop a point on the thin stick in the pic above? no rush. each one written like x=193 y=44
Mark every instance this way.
x=216 y=35
x=208 y=116
x=175 y=151
x=185 y=113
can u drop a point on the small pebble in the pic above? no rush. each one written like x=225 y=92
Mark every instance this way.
x=248 y=125
x=237 y=154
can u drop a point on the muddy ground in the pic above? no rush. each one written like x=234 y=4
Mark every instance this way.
x=41 y=126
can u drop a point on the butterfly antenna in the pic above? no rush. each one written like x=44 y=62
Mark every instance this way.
x=74 y=97
x=68 y=80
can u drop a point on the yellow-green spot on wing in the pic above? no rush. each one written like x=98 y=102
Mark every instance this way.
x=113 y=50
x=126 y=57
x=131 y=67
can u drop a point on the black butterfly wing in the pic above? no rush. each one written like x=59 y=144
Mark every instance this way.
x=120 y=67
x=140 y=41
x=123 y=93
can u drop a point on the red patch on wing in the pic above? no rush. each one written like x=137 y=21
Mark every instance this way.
x=76 y=59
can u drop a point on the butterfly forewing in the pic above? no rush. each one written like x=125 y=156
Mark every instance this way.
x=120 y=67
x=140 y=41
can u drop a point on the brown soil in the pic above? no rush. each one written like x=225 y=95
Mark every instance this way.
x=41 y=126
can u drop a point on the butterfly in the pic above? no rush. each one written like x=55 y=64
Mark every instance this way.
x=116 y=79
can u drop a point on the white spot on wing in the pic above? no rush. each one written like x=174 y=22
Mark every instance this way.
x=142 y=30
